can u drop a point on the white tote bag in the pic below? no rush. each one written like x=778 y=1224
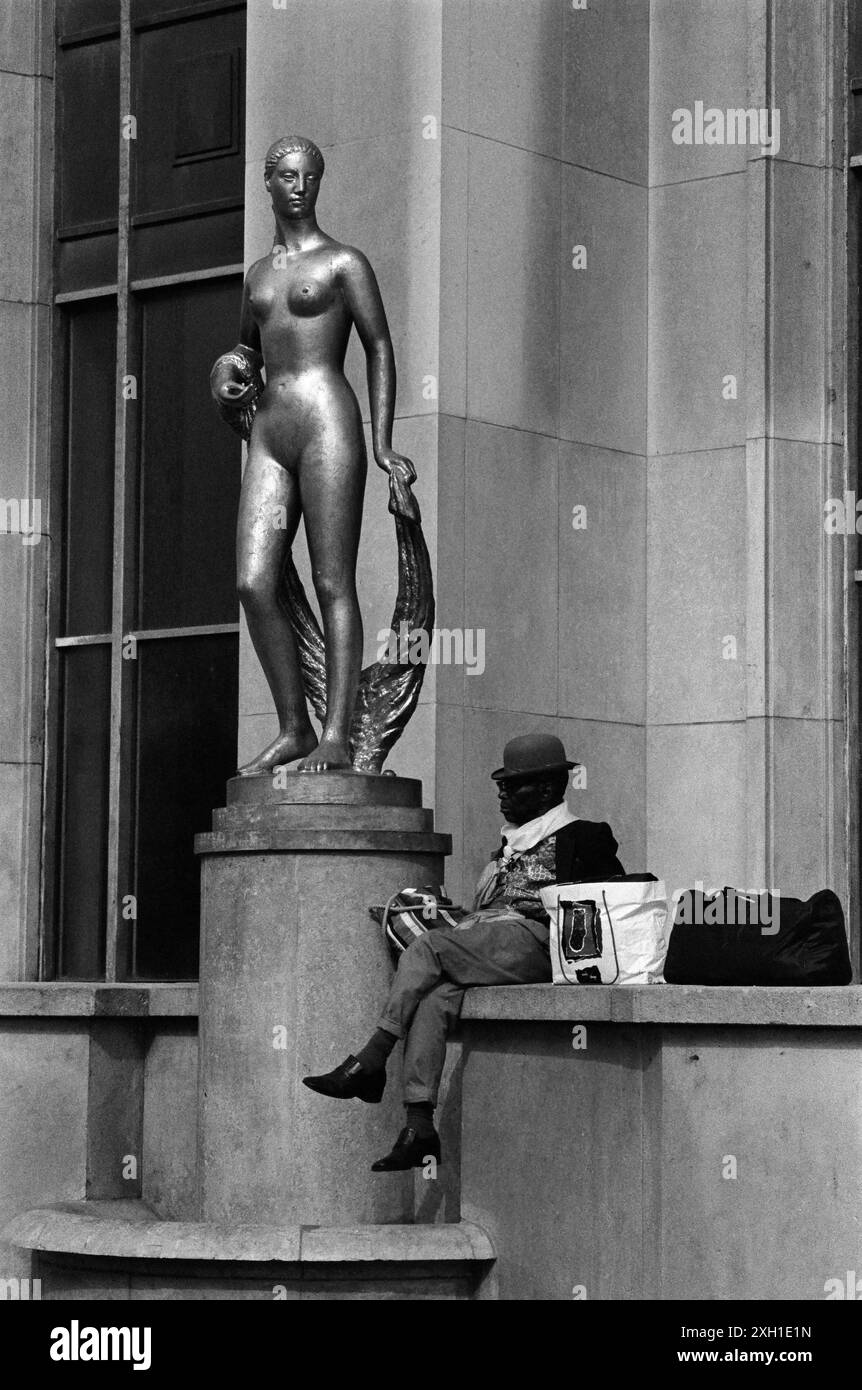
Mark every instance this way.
x=609 y=933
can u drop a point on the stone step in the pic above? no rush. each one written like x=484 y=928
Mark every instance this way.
x=124 y=1250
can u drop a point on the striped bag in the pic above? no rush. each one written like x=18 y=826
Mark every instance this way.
x=412 y=912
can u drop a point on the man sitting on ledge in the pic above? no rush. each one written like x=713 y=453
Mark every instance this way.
x=503 y=941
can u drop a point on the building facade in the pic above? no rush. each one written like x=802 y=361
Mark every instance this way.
x=617 y=245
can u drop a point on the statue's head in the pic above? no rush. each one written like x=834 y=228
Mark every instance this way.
x=292 y=171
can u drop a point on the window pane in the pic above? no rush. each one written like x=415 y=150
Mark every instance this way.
x=83 y=800
x=73 y=16
x=190 y=471
x=187 y=718
x=88 y=77
x=188 y=97
x=176 y=248
x=89 y=520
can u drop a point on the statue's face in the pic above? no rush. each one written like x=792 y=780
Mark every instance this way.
x=294 y=185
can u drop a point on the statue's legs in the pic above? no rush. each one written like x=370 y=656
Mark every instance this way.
x=332 y=473
x=269 y=512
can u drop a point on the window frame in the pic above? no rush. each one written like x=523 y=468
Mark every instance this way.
x=129 y=295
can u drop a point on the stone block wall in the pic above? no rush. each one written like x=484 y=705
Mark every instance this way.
x=683 y=1156
x=747 y=672
x=471 y=147
x=635 y=540
x=543 y=403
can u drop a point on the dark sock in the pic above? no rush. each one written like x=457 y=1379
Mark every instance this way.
x=420 y=1116
x=373 y=1055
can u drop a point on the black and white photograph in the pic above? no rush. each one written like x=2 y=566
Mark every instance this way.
x=429 y=669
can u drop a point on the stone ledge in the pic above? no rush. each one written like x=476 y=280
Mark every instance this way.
x=829 y=1007
x=132 y=1231
x=61 y=999
x=280 y=840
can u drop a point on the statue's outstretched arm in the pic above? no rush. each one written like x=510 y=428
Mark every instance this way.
x=362 y=296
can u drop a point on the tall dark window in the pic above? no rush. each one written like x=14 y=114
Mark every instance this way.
x=143 y=668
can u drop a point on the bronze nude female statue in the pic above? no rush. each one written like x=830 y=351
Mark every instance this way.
x=307 y=457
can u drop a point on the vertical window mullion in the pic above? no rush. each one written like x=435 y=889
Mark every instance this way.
x=122 y=669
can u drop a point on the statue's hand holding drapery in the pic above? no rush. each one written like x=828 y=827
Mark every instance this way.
x=236 y=383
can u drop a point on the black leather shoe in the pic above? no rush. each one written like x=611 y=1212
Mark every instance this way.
x=349 y=1081
x=410 y=1151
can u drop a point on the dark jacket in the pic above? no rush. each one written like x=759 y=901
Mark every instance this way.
x=583 y=850
x=586 y=849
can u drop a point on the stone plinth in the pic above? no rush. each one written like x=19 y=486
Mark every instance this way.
x=294 y=973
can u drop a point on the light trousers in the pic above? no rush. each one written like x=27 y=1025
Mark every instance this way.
x=428 y=989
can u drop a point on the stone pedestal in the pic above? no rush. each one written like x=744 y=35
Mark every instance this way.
x=294 y=973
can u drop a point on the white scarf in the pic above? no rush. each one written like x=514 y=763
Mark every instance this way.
x=517 y=839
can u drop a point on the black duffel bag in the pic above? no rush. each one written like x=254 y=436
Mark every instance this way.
x=732 y=938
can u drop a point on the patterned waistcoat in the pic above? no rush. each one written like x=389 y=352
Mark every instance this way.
x=524 y=874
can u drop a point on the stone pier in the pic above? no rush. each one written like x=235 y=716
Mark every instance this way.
x=293 y=975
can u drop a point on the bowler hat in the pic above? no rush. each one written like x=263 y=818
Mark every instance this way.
x=531 y=754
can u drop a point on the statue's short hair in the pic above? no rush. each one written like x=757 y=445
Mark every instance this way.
x=292 y=144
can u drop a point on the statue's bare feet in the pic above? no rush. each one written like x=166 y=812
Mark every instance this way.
x=330 y=755
x=285 y=749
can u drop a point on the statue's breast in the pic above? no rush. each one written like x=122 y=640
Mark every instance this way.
x=307 y=296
